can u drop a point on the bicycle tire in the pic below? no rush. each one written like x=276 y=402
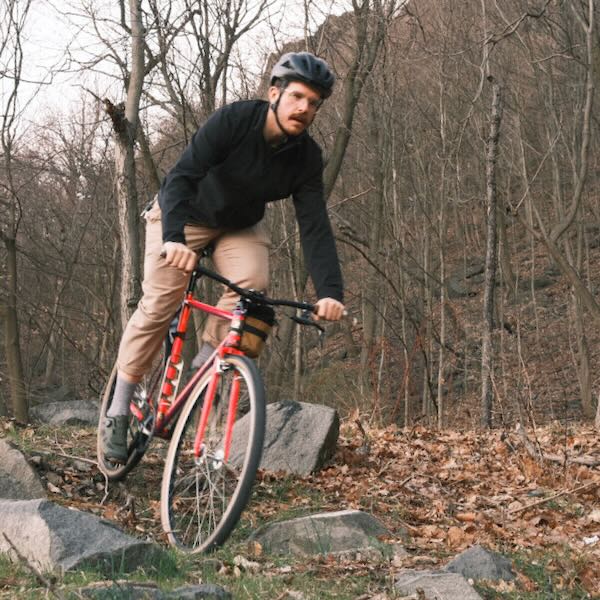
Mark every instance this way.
x=137 y=439
x=202 y=521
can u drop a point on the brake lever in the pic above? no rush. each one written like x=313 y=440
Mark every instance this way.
x=306 y=319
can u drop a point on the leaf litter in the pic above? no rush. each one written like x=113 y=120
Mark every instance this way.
x=437 y=491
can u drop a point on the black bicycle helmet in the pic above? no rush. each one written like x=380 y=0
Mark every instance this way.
x=307 y=68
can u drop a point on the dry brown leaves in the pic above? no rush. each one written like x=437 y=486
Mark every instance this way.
x=441 y=491
x=451 y=489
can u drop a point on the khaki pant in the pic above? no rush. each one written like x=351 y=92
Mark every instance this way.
x=241 y=256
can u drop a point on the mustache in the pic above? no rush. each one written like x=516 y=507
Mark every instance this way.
x=300 y=119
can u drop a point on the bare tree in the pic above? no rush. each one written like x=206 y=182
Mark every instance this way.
x=125 y=119
x=194 y=53
x=551 y=228
x=491 y=257
x=12 y=23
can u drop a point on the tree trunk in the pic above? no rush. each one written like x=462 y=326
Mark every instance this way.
x=508 y=276
x=442 y=239
x=12 y=346
x=584 y=374
x=128 y=229
x=491 y=259
x=14 y=16
x=51 y=356
x=372 y=294
x=125 y=123
x=426 y=328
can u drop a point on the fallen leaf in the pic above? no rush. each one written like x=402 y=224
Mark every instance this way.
x=52 y=488
x=245 y=564
x=455 y=537
x=468 y=517
x=595 y=515
x=255 y=548
x=527 y=583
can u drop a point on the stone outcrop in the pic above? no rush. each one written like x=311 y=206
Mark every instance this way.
x=18 y=480
x=54 y=538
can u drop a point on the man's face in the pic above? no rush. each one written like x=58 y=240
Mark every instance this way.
x=298 y=106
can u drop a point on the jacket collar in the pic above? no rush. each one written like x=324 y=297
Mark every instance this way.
x=291 y=142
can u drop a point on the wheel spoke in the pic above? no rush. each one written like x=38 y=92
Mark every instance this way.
x=205 y=494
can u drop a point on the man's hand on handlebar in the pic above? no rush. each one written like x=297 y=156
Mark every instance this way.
x=179 y=256
x=329 y=309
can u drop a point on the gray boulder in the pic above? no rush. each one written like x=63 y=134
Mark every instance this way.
x=137 y=591
x=110 y=590
x=18 y=480
x=51 y=393
x=209 y=591
x=70 y=412
x=299 y=439
x=479 y=563
x=457 y=288
x=55 y=538
x=435 y=584
x=346 y=531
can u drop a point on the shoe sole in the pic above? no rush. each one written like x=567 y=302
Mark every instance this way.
x=116 y=459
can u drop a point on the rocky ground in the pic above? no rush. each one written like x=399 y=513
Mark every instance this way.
x=534 y=497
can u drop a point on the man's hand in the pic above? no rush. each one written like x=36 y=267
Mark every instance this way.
x=329 y=309
x=179 y=256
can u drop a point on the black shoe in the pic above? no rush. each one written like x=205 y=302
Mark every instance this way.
x=114 y=439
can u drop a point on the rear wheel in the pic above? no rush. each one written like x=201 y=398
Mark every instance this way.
x=141 y=425
x=203 y=497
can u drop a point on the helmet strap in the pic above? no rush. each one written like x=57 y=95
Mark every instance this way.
x=275 y=107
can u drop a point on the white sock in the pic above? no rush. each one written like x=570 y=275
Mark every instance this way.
x=121 y=398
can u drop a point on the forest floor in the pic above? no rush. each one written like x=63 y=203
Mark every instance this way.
x=535 y=498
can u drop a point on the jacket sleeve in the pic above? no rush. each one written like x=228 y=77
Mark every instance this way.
x=316 y=235
x=208 y=147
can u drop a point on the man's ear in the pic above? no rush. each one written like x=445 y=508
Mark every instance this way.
x=273 y=96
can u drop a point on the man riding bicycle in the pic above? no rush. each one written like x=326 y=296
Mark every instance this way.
x=247 y=153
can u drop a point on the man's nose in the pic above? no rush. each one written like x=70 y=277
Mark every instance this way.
x=303 y=104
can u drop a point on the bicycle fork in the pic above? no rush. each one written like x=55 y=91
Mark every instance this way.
x=207 y=407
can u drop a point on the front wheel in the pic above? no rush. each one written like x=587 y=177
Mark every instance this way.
x=202 y=497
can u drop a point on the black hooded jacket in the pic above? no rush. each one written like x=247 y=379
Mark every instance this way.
x=228 y=173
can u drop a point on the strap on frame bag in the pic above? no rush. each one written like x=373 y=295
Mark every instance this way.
x=257 y=326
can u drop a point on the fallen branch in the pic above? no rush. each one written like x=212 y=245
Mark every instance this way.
x=365 y=447
x=65 y=455
x=588 y=461
x=590 y=484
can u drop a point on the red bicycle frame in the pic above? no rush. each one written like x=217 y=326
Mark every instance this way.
x=169 y=402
